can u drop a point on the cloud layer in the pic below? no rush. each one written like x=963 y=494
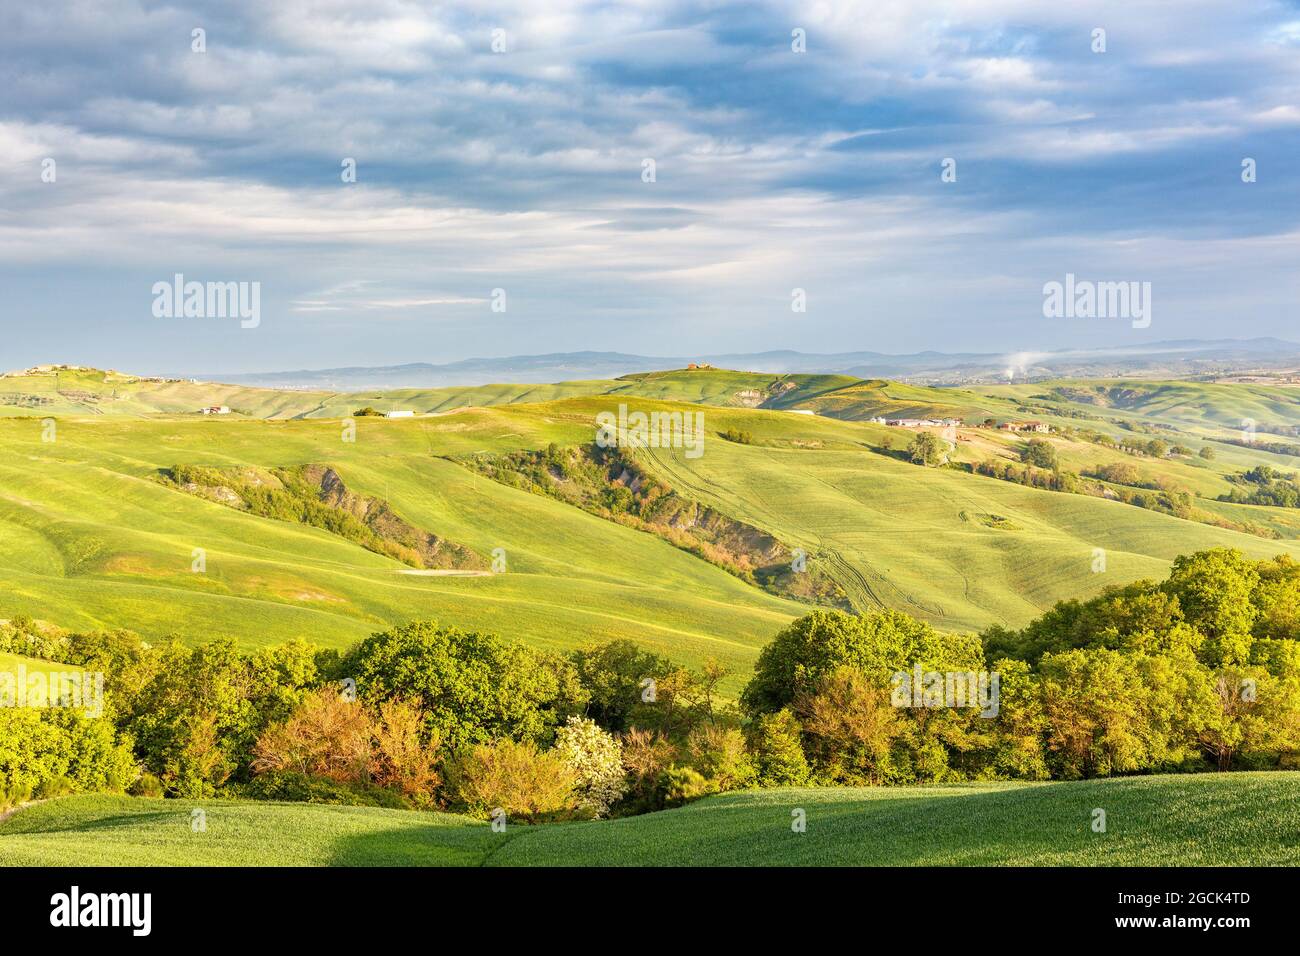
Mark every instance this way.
x=522 y=170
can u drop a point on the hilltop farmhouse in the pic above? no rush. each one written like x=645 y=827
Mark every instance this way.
x=918 y=422
x=1041 y=427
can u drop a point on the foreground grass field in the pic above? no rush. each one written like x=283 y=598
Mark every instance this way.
x=1242 y=819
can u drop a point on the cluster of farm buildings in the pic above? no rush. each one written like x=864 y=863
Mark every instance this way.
x=1030 y=426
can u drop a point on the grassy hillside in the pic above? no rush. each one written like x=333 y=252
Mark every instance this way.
x=926 y=540
x=89 y=535
x=1245 y=819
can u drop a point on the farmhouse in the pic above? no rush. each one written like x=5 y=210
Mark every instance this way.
x=1042 y=427
x=400 y=413
x=216 y=410
x=919 y=422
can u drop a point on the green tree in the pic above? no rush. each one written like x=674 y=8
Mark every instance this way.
x=473 y=687
x=927 y=449
x=779 y=759
x=879 y=645
x=615 y=677
x=1040 y=452
x=1214 y=589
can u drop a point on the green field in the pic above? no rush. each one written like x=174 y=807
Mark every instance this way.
x=1244 y=819
x=91 y=537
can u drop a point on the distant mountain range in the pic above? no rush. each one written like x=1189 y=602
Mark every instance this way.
x=1181 y=359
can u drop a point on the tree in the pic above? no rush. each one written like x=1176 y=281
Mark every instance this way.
x=613 y=675
x=778 y=755
x=1277 y=598
x=471 y=686
x=1214 y=589
x=878 y=645
x=596 y=759
x=327 y=736
x=926 y=449
x=515 y=777
x=1207 y=453
x=1093 y=707
x=850 y=725
x=1039 y=452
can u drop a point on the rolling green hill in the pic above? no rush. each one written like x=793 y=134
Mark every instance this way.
x=1243 y=819
x=91 y=536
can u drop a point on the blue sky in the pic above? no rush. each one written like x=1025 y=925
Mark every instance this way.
x=522 y=171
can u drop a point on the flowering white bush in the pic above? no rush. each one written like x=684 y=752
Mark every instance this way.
x=597 y=758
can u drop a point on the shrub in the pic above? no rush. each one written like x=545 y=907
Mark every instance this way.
x=401 y=757
x=146 y=785
x=778 y=757
x=646 y=758
x=682 y=784
x=293 y=787
x=850 y=725
x=52 y=787
x=515 y=777
x=14 y=795
x=327 y=736
x=597 y=760
x=40 y=745
x=719 y=754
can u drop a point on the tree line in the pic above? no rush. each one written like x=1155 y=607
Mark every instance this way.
x=1200 y=671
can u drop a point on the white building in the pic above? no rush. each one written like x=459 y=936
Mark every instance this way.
x=401 y=413
x=217 y=410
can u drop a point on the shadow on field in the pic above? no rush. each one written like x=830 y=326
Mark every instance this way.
x=1029 y=826
x=423 y=845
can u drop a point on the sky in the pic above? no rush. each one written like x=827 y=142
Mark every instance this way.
x=502 y=201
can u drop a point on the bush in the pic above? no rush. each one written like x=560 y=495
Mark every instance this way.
x=52 y=787
x=597 y=760
x=682 y=784
x=778 y=756
x=326 y=737
x=41 y=745
x=293 y=787
x=850 y=724
x=515 y=777
x=14 y=795
x=402 y=758
x=646 y=759
x=719 y=754
x=146 y=785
